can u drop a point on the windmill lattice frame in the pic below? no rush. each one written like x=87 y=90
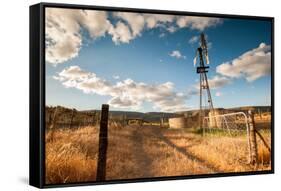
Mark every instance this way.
x=202 y=70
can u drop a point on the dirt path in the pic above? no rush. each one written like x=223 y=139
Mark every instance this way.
x=141 y=158
x=154 y=154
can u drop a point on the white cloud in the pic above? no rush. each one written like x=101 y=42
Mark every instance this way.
x=161 y=35
x=171 y=29
x=120 y=33
x=126 y=93
x=177 y=54
x=72 y=73
x=135 y=20
x=217 y=82
x=192 y=92
x=193 y=40
x=155 y=20
x=219 y=94
x=74 y=77
x=198 y=23
x=138 y=22
x=63 y=38
x=63 y=28
x=95 y=22
x=116 y=77
x=251 y=65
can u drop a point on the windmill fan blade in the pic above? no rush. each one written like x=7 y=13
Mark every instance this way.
x=195 y=59
x=207 y=59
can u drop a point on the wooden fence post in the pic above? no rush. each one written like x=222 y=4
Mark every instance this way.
x=54 y=119
x=71 y=118
x=253 y=140
x=260 y=113
x=161 y=122
x=94 y=119
x=124 y=120
x=53 y=124
x=101 y=167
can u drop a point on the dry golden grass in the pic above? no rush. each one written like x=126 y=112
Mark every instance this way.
x=143 y=152
x=71 y=155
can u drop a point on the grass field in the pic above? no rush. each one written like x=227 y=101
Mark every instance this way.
x=148 y=151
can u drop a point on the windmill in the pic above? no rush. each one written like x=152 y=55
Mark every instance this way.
x=202 y=53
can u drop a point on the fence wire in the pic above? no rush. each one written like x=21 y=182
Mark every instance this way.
x=230 y=124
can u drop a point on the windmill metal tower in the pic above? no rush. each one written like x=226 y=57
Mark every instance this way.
x=202 y=70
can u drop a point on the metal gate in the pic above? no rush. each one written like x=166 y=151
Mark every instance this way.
x=232 y=123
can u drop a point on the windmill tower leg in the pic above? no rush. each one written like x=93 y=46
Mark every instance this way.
x=210 y=101
x=204 y=89
x=201 y=111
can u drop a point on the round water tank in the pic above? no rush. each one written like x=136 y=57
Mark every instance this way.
x=176 y=123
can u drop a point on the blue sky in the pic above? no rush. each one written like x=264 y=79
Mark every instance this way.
x=146 y=59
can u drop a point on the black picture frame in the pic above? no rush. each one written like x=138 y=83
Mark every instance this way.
x=37 y=93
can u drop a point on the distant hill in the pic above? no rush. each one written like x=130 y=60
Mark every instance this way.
x=253 y=108
x=156 y=116
x=149 y=116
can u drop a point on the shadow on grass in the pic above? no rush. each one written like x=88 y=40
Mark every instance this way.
x=183 y=151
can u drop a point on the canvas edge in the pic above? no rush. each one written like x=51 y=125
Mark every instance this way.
x=35 y=97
